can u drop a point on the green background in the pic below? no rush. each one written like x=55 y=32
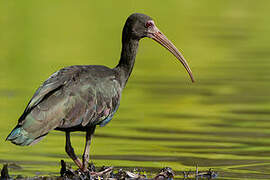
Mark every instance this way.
x=221 y=121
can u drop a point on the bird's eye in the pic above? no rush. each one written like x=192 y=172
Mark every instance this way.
x=149 y=24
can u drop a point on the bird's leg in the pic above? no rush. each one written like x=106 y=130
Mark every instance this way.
x=89 y=135
x=70 y=151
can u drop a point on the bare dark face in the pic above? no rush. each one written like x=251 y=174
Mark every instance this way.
x=135 y=25
x=140 y=26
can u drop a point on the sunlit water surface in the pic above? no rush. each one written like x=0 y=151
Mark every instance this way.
x=220 y=122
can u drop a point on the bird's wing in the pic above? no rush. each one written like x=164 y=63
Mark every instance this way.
x=45 y=109
x=74 y=97
x=55 y=82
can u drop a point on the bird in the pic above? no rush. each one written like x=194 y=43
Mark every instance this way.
x=81 y=97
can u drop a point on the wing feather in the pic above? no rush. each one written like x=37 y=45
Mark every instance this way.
x=54 y=83
x=76 y=96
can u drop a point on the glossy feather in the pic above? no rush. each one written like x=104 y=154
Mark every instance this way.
x=73 y=98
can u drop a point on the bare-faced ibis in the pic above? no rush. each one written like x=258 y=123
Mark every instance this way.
x=78 y=98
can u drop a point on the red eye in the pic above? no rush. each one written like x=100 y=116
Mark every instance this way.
x=149 y=23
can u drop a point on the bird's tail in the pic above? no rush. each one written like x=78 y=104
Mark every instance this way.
x=21 y=137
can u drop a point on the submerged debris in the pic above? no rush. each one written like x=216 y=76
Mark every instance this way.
x=102 y=174
x=4 y=172
x=165 y=173
x=210 y=174
x=108 y=173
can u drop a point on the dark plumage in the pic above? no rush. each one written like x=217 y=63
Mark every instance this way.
x=77 y=98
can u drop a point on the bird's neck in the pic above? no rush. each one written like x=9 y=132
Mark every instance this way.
x=126 y=63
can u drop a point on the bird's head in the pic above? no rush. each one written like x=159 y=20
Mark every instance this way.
x=139 y=26
x=136 y=27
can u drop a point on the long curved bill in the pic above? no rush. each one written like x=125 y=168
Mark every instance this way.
x=159 y=37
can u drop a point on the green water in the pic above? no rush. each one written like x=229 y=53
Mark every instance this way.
x=221 y=121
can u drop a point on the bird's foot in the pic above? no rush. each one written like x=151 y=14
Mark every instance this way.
x=91 y=172
x=104 y=171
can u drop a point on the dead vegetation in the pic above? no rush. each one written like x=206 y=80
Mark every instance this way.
x=109 y=173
